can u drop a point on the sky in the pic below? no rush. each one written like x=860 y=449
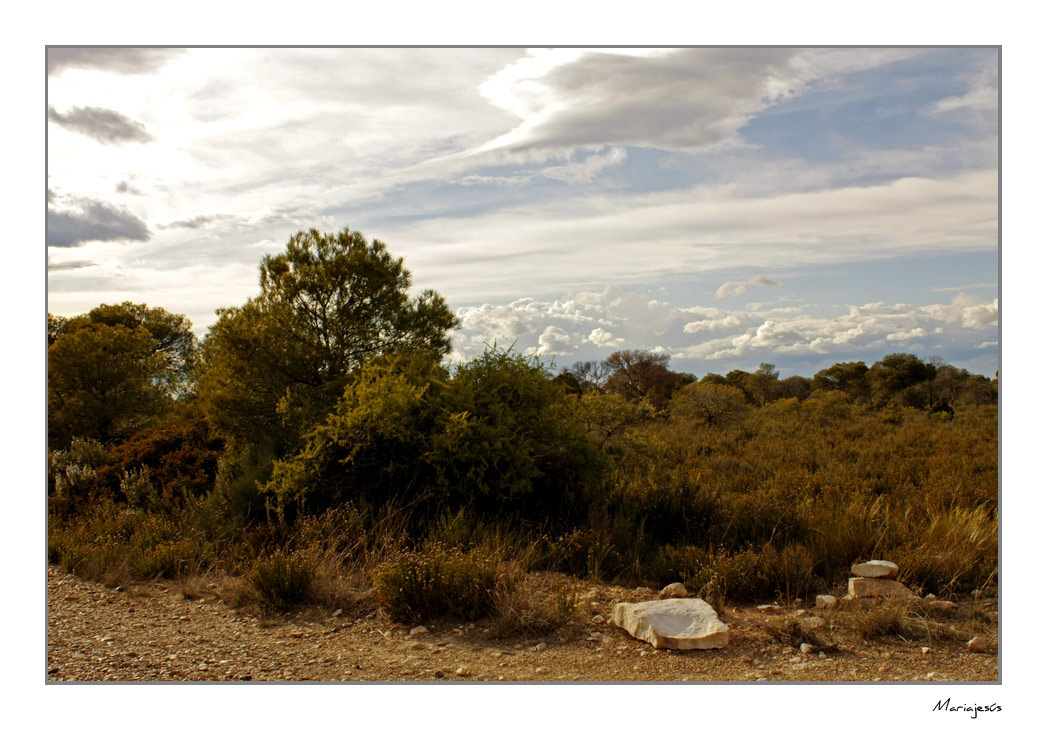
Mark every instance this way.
x=725 y=206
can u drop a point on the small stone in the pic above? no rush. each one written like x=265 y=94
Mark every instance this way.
x=768 y=608
x=925 y=650
x=462 y=671
x=875 y=569
x=673 y=590
x=796 y=660
x=539 y=646
x=978 y=645
x=418 y=630
x=942 y=605
x=932 y=675
x=806 y=648
x=799 y=613
x=813 y=622
x=337 y=613
x=541 y=670
x=930 y=597
x=438 y=674
x=825 y=601
x=597 y=619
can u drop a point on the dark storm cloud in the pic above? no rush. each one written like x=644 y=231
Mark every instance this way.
x=118 y=60
x=105 y=125
x=93 y=220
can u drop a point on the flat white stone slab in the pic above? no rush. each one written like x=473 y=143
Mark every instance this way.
x=672 y=623
x=875 y=569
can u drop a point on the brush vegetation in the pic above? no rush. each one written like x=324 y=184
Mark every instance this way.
x=316 y=448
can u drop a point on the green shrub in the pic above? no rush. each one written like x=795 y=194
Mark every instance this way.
x=282 y=580
x=440 y=581
x=172 y=559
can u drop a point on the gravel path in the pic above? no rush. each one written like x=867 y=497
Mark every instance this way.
x=152 y=633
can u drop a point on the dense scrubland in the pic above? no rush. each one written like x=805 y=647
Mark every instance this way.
x=317 y=447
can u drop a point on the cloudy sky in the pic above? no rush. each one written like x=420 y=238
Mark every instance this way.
x=728 y=206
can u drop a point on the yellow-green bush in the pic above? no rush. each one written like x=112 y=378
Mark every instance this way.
x=441 y=581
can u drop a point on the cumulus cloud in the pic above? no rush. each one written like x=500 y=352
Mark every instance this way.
x=602 y=338
x=914 y=333
x=86 y=220
x=553 y=341
x=586 y=324
x=737 y=288
x=104 y=125
x=118 y=60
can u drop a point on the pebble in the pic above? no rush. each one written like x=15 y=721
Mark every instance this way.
x=540 y=646
x=418 y=630
x=462 y=671
x=925 y=650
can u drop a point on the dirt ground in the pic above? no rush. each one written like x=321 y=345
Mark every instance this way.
x=153 y=633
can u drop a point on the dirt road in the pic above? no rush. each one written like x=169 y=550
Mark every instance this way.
x=152 y=633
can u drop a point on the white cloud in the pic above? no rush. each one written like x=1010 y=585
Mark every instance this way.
x=603 y=239
x=914 y=333
x=553 y=341
x=602 y=338
x=982 y=93
x=586 y=324
x=669 y=98
x=737 y=288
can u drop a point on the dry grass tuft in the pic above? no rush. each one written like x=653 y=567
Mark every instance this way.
x=529 y=607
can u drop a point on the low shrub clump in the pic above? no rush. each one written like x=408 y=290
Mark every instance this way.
x=441 y=581
x=282 y=580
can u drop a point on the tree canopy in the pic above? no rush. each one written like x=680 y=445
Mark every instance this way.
x=114 y=369
x=328 y=303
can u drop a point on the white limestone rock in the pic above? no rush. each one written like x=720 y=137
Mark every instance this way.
x=673 y=590
x=875 y=569
x=673 y=623
x=825 y=601
x=875 y=588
